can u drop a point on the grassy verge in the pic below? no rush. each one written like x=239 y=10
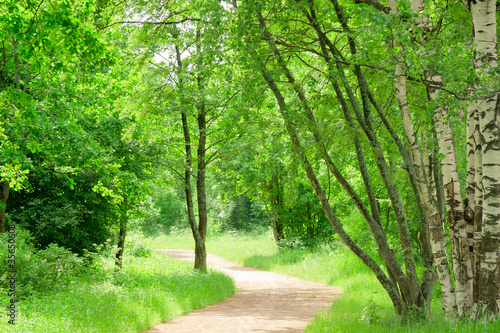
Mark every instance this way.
x=148 y=291
x=364 y=307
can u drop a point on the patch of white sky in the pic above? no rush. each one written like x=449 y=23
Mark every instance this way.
x=167 y=54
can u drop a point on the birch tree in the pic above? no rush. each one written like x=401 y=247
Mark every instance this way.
x=486 y=106
x=294 y=39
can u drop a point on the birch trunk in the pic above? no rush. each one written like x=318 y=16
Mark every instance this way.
x=470 y=189
x=462 y=268
x=436 y=227
x=478 y=199
x=122 y=234
x=485 y=60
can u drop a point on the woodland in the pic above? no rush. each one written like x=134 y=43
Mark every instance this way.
x=372 y=123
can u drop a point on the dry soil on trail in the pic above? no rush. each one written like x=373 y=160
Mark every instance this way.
x=264 y=302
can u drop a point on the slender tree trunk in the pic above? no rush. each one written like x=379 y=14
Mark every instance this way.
x=485 y=61
x=201 y=192
x=276 y=199
x=470 y=189
x=462 y=268
x=200 y=259
x=122 y=234
x=436 y=227
x=4 y=196
x=389 y=286
x=478 y=208
x=271 y=214
x=200 y=251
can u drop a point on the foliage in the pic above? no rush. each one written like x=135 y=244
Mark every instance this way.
x=168 y=207
x=138 y=246
x=37 y=271
x=245 y=214
x=65 y=211
x=146 y=292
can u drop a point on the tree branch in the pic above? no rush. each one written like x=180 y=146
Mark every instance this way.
x=375 y=4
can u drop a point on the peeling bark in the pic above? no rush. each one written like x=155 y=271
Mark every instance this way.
x=459 y=241
x=488 y=108
x=436 y=227
x=478 y=208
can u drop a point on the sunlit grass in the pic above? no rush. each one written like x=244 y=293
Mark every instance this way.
x=364 y=306
x=147 y=292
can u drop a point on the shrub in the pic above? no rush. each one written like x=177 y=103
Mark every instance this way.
x=138 y=246
x=37 y=270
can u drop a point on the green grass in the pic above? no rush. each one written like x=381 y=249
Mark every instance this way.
x=148 y=291
x=364 y=306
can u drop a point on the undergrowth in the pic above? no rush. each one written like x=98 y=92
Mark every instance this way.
x=59 y=292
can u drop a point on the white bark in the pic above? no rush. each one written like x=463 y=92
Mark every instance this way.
x=485 y=60
x=470 y=188
x=459 y=243
x=436 y=227
x=478 y=199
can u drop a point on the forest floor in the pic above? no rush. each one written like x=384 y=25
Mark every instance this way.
x=264 y=302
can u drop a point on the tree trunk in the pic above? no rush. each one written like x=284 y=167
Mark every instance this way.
x=470 y=188
x=485 y=61
x=478 y=208
x=201 y=193
x=489 y=273
x=388 y=285
x=276 y=199
x=436 y=227
x=122 y=235
x=200 y=252
x=4 y=196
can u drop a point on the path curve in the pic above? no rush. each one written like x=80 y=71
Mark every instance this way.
x=264 y=302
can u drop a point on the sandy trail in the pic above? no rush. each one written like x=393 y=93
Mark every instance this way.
x=264 y=302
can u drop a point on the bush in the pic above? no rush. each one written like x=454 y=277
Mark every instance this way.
x=62 y=211
x=37 y=270
x=138 y=246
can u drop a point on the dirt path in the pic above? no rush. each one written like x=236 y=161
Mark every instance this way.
x=264 y=302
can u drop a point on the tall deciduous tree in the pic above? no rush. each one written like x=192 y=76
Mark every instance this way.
x=485 y=104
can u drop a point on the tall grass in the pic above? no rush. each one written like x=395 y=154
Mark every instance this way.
x=364 y=306
x=148 y=290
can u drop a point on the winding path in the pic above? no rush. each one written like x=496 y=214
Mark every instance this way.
x=264 y=302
